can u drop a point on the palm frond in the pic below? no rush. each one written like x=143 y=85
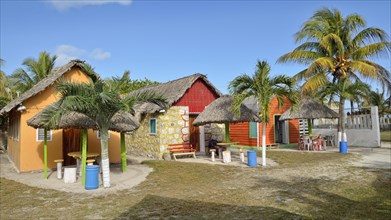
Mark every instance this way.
x=320 y=65
x=314 y=83
x=362 y=66
x=380 y=50
x=299 y=56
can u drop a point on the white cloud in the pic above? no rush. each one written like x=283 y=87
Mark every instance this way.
x=99 y=54
x=63 y=5
x=66 y=53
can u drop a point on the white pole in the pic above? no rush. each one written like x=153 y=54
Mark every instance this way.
x=264 y=144
x=258 y=145
x=202 y=139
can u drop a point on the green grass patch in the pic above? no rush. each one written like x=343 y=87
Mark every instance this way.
x=385 y=136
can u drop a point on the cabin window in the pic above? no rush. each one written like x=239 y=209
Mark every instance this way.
x=14 y=126
x=98 y=135
x=40 y=135
x=253 y=129
x=152 y=126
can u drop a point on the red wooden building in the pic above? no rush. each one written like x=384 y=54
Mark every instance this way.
x=277 y=131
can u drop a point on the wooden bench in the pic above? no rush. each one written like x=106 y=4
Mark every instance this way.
x=181 y=149
x=272 y=146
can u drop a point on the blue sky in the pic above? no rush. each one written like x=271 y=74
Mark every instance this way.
x=165 y=40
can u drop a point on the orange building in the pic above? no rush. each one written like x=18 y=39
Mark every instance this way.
x=25 y=144
x=277 y=131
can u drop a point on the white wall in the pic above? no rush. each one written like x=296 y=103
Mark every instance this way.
x=358 y=137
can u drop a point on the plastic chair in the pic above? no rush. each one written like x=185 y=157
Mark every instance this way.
x=307 y=143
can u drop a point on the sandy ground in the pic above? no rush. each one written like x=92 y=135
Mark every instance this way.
x=372 y=157
x=137 y=173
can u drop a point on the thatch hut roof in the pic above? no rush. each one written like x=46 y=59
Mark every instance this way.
x=309 y=109
x=219 y=111
x=56 y=74
x=121 y=122
x=173 y=91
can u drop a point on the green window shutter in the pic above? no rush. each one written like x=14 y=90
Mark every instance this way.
x=253 y=129
x=152 y=126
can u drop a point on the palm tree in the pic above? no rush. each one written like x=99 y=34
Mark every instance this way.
x=4 y=84
x=100 y=103
x=335 y=48
x=264 y=88
x=355 y=92
x=377 y=98
x=35 y=71
x=125 y=84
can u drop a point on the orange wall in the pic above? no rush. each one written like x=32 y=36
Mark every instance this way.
x=239 y=132
x=13 y=146
x=27 y=153
x=114 y=145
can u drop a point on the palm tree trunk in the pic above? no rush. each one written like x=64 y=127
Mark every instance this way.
x=341 y=119
x=263 y=144
x=104 y=136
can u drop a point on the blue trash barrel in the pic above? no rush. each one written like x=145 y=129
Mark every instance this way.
x=92 y=177
x=252 y=158
x=343 y=147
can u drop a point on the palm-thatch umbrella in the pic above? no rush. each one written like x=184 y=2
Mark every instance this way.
x=121 y=122
x=219 y=111
x=309 y=109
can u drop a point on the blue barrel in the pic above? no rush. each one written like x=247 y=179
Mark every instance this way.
x=343 y=147
x=92 y=177
x=252 y=158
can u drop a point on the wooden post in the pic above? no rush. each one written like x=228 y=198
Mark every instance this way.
x=123 y=153
x=83 y=155
x=45 y=154
x=227 y=140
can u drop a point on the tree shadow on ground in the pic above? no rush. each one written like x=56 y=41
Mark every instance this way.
x=325 y=198
x=158 y=207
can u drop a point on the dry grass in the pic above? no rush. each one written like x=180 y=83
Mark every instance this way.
x=385 y=136
x=304 y=186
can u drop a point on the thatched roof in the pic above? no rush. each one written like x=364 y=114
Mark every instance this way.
x=121 y=122
x=219 y=111
x=56 y=74
x=309 y=109
x=172 y=91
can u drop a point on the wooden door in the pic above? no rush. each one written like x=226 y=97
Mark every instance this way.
x=194 y=133
x=71 y=139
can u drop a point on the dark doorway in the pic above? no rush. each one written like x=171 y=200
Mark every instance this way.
x=278 y=129
x=194 y=133
x=70 y=142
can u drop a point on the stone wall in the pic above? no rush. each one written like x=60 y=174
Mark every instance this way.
x=172 y=128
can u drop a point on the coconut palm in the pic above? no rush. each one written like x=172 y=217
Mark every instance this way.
x=35 y=71
x=336 y=47
x=264 y=88
x=100 y=103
